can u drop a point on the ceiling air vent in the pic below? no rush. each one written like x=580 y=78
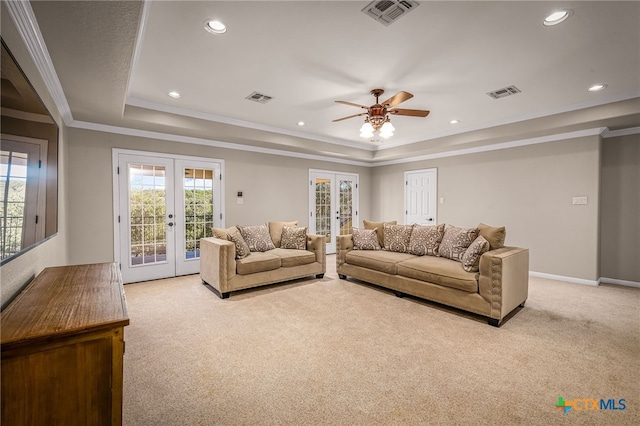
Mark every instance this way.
x=389 y=11
x=259 y=97
x=505 y=91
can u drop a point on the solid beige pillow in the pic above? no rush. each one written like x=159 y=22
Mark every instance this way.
x=379 y=226
x=493 y=234
x=471 y=257
x=275 y=231
x=222 y=233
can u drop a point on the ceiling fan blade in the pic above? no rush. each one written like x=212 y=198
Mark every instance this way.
x=351 y=116
x=396 y=99
x=352 y=104
x=411 y=112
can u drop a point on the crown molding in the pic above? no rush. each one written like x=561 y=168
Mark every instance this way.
x=621 y=132
x=209 y=142
x=27 y=25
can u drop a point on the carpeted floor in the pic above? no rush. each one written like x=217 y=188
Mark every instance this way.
x=334 y=352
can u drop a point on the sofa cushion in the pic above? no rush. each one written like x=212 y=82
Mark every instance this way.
x=378 y=260
x=294 y=238
x=275 y=231
x=257 y=262
x=365 y=239
x=471 y=257
x=242 y=249
x=439 y=270
x=379 y=227
x=397 y=237
x=222 y=233
x=425 y=240
x=292 y=257
x=493 y=234
x=456 y=241
x=257 y=237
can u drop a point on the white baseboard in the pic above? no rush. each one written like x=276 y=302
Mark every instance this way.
x=563 y=278
x=626 y=283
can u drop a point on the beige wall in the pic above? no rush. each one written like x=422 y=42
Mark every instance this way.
x=274 y=187
x=17 y=273
x=528 y=189
x=620 y=209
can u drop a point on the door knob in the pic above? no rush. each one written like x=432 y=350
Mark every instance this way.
x=170 y=216
x=170 y=223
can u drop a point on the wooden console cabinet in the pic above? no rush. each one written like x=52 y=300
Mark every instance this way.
x=62 y=346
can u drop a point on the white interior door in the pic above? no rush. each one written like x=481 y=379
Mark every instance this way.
x=164 y=207
x=333 y=205
x=420 y=197
x=147 y=241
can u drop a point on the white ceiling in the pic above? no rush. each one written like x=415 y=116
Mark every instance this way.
x=118 y=60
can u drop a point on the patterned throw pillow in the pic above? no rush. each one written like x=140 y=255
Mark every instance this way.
x=397 y=237
x=425 y=240
x=242 y=249
x=471 y=257
x=257 y=237
x=293 y=238
x=365 y=239
x=456 y=241
x=378 y=226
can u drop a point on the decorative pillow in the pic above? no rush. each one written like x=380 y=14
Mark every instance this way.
x=257 y=237
x=223 y=234
x=365 y=239
x=396 y=237
x=275 y=230
x=378 y=226
x=425 y=240
x=456 y=241
x=294 y=238
x=494 y=235
x=242 y=249
x=471 y=257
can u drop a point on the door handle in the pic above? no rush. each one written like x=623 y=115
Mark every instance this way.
x=170 y=223
x=430 y=219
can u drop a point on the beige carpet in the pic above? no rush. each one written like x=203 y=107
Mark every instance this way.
x=333 y=352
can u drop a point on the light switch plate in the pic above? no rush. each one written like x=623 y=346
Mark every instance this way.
x=579 y=201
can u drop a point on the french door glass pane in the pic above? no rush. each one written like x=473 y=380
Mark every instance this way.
x=323 y=207
x=346 y=206
x=198 y=209
x=147 y=214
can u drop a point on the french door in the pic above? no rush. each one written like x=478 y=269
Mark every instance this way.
x=164 y=206
x=420 y=197
x=333 y=205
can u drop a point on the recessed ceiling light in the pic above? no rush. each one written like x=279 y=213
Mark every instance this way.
x=556 y=17
x=597 y=87
x=174 y=95
x=454 y=122
x=214 y=26
x=301 y=123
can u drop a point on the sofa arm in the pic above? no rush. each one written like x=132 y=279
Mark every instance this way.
x=217 y=263
x=504 y=279
x=317 y=244
x=345 y=245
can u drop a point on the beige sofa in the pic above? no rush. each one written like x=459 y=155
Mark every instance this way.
x=498 y=288
x=224 y=272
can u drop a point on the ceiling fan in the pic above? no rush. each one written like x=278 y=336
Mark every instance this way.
x=377 y=115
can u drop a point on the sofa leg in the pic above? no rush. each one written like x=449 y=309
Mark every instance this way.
x=217 y=293
x=320 y=276
x=494 y=322
x=399 y=294
x=522 y=304
x=342 y=277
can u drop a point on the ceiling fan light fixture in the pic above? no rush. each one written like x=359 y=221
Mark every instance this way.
x=366 y=131
x=214 y=26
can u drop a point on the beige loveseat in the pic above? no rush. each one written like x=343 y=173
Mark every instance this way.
x=499 y=286
x=223 y=270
